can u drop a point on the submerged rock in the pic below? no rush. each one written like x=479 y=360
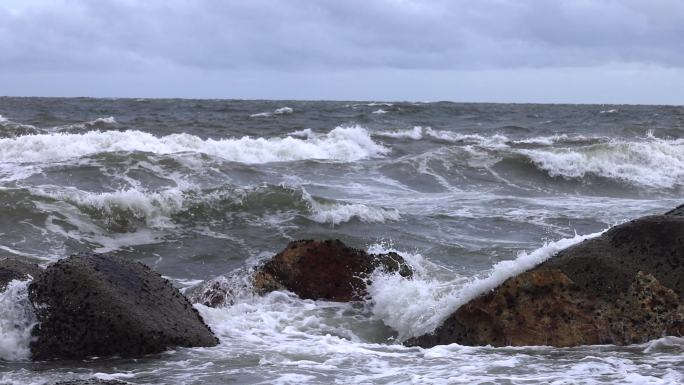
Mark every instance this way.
x=325 y=270
x=12 y=268
x=98 y=305
x=623 y=287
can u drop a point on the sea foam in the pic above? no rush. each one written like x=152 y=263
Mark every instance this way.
x=649 y=162
x=16 y=321
x=417 y=306
x=340 y=144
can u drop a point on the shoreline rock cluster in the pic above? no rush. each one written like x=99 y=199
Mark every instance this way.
x=625 y=286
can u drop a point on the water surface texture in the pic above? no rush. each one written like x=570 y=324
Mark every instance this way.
x=469 y=193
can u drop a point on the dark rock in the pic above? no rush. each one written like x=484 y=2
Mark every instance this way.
x=12 y=268
x=326 y=270
x=623 y=287
x=98 y=305
x=222 y=290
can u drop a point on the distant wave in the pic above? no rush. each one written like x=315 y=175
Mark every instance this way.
x=277 y=111
x=345 y=144
x=649 y=162
x=10 y=129
x=643 y=161
x=99 y=123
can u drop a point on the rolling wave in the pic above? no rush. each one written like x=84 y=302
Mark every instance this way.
x=641 y=161
x=345 y=144
x=125 y=210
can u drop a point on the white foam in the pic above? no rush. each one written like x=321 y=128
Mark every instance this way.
x=260 y=115
x=3 y=119
x=154 y=208
x=496 y=141
x=336 y=214
x=611 y=111
x=277 y=111
x=379 y=111
x=649 y=161
x=305 y=133
x=106 y=121
x=283 y=111
x=416 y=133
x=340 y=144
x=16 y=321
x=417 y=306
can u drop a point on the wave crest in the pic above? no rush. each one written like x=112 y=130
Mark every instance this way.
x=346 y=144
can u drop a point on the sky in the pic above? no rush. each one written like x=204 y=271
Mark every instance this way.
x=546 y=51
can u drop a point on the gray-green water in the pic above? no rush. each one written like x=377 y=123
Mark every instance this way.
x=197 y=188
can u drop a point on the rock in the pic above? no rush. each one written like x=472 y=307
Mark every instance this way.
x=222 y=290
x=623 y=287
x=12 y=268
x=98 y=305
x=326 y=270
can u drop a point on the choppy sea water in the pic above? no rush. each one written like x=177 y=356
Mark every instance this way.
x=469 y=193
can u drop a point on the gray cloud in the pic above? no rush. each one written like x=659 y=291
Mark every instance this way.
x=300 y=34
x=157 y=41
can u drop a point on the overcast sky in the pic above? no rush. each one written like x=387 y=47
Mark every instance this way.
x=580 y=51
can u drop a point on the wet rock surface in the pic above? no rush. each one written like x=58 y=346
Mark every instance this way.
x=312 y=269
x=12 y=268
x=327 y=270
x=98 y=305
x=623 y=287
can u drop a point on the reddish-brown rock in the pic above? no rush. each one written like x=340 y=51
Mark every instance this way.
x=623 y=287
x=325 y=270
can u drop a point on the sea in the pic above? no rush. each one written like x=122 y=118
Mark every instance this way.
x=470 y=194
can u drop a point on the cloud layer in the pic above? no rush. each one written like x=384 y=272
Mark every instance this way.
x=299 y=36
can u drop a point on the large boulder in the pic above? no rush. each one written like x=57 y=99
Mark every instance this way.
x=12 y=268
x=312 y=269
x=327 y=270
x=98 y=305
x=625 y=286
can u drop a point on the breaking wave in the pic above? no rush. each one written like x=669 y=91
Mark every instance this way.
x=417 y=306
x=341 y=144
x=642 y=161
x=16 y=321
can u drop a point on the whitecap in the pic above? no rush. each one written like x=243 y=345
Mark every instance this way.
x=345 y=144
x=650 y=162
x=416 y=133
x=283 y=111
x=417 y=306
